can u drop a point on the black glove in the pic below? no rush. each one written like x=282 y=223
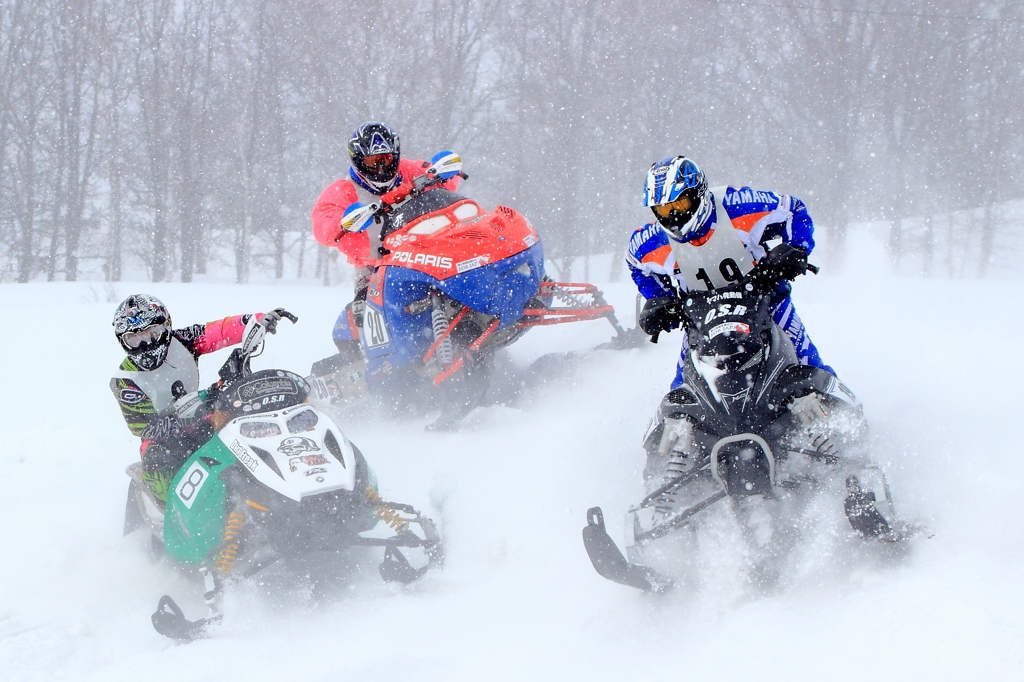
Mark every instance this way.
x=661 y=314
x=783 y=262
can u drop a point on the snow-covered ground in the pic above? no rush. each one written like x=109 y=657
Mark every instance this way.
x=936 y=363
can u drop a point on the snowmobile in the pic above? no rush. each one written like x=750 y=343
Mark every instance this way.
x=749 y=422
x=454 y=284
x=278 y=480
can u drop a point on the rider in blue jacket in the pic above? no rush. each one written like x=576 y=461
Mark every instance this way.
x=704 y=238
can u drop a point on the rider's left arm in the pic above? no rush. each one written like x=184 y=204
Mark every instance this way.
x=801 y=232
x=220 y=334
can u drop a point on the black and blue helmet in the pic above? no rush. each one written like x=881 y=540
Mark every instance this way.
x=375 y=151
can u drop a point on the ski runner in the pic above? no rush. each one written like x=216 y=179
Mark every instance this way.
x=157 y=385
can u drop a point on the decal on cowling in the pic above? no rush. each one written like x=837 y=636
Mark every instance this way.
x=296 y=445
x=472 y=263
x=422 y=259
x=728 y=327
x=307 y=460
x=267 y=386
x=243 y=456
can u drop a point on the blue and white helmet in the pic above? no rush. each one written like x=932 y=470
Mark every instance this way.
x=677 y=194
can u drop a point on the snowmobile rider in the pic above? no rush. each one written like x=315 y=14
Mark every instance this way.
x=377 y=168
x=157 y=385
x=704 y=238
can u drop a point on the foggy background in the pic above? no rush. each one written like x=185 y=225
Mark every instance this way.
x=181 y=140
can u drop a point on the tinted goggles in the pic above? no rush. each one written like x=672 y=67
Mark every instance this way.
x=378 y=162
x=684 y=205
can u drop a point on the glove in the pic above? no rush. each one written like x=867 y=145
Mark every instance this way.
x=186 y=406
x=661 y=314
x=783 y=262
x=270 y=320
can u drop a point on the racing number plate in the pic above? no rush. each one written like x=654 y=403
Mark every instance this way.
x=374 y=330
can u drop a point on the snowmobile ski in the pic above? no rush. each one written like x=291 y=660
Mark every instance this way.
x=169 y=620
x=396 y=568
x=609 y=561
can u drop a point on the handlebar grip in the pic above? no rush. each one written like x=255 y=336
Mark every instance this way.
x=813 y=268
x=290 y=316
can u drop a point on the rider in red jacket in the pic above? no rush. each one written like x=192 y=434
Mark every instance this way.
x=377 y=168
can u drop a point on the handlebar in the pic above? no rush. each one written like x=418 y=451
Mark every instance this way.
x=420 y=184
x=237 y=364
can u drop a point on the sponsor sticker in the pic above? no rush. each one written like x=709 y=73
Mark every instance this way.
x=472 y=263
x=529 y=240
x=243 y=456
x=267 y=386
x=728 y=327
x=422 y=259
x=306 y=460
x=295 y=445
x=725 y=294
x=131 y=396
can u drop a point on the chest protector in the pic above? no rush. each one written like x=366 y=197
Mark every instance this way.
x=179 y=365
x=720 y=259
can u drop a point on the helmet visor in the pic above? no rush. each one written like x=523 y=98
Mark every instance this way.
x=145 y=337
x=376 y=163
x=684 y=207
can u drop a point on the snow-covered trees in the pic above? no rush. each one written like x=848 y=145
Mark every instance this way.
x=169 y=138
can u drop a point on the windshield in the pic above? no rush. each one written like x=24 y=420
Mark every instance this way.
x=263 y=391
x=418 y=206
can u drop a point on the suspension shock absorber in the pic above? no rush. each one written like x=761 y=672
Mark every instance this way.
x=384 y=511
x=568 y=298
x=231 y=543
x=676 y=446
x=439 y=323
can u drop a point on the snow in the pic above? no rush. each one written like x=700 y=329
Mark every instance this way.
x=931 y=359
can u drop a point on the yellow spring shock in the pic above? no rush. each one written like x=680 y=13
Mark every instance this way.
x=231 y=543
x=384 y=511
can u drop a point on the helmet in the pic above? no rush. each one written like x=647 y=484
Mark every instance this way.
x=375 y=150
x=143 y=328
x=677 y=193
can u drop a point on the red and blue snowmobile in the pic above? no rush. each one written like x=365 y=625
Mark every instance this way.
x=454 y=284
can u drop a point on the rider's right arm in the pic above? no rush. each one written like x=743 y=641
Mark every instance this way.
x=651 y=262
x=136 y=407
x=326 y=218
